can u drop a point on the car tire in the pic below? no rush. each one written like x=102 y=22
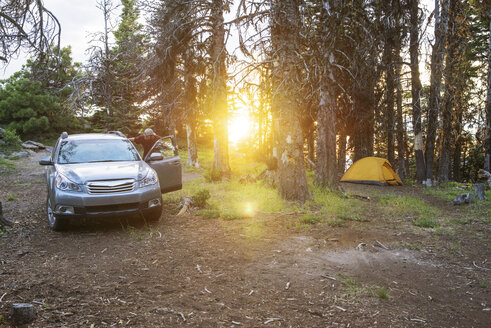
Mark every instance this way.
x=54 y=222
x=154 y=215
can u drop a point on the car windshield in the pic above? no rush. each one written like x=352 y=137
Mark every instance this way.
x=90 y=151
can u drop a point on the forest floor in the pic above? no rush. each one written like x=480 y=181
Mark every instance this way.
x=379 y=270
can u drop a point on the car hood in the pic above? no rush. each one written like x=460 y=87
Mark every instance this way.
x=83 y=172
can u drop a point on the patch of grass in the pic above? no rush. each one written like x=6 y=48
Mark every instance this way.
x=22 y=185
x=409 y=246
x=135 y=233
x=231 y=215
x=352 y=287
x=443 y=193
x=231 y=197
x=209 y=213
x=482 y=284
x=212 y=175
x=382 y=293
x=11 y=197
x=309 y=219
x=458 y=221
x=412 y=246
x=38 y=181
x=408 y=182
x=424 y=222
x=410 y=206
x=338 y=205
x=335 y=222
x=4 y=163
x=301 y=227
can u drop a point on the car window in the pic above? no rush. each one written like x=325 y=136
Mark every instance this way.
x=89 y=151
x=165 y=147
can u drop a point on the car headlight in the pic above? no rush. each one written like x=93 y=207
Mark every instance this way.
x=150 y=179
x=62 y=183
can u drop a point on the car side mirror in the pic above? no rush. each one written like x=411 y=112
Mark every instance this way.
x=45 y=161
x=155 y=157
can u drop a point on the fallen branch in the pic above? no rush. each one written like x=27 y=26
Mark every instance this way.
x=1 y=298
x=381 y=245
x=479 y=267
x=360 y=246
x=269 y=320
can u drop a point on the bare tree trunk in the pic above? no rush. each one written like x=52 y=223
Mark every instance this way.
x=451 y=61
x=342 y=152
x=219 y=91
x=401 y=140
x=364 y=123
x=487 y=158
x=192 y=149
x=285 y=27
x=435 y=83
x=326 y=168
x=389 y=99
x=416 y=91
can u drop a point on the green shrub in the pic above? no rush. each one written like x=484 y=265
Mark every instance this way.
x=200 y=198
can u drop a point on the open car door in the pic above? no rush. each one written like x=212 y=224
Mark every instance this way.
x=164 y=159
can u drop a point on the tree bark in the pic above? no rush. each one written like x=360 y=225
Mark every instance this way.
x=326 y=168
x=401 y=140
x=219 y=91
x=487 y=158
x=388 y=60
x=285 y=28
x=342 y=152
x=435 y=84
x=451 y=70
x=364 y=123
x=192 y=149
x=416 y=91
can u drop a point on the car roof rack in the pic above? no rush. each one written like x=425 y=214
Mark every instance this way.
x=64 y=135
x=118 y=133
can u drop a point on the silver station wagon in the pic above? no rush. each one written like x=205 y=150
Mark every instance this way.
x=102 y=175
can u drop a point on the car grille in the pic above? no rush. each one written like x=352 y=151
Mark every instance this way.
x=111 y=208
x=112 y=186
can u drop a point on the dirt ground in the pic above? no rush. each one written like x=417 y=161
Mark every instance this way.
x=257 y=272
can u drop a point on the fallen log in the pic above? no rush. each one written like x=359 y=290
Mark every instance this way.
x=480 y=191
x=185 y=205
x=461 y=199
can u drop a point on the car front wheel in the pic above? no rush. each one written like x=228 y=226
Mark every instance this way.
x=55 y=223
x=154 y=215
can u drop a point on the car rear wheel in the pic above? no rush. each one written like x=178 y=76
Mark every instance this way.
x=55 y=223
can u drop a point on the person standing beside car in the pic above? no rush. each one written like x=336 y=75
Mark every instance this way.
x=147 y=140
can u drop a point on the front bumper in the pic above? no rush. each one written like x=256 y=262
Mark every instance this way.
x=107 y=205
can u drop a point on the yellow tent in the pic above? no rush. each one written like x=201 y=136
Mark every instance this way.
x=372 y=170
